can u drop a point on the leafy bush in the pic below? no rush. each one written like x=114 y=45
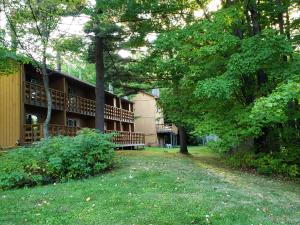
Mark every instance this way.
x=57 y=159
x=285 y=162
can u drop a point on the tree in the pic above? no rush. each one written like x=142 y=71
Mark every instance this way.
x=32 y=24
x=222 y=76
x=104 y=30
x=153 y=18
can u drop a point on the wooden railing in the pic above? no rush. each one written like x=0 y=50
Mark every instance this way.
x=125 y=138
x=55 y=130
x=127 y=116
x=112 y=113
x=34 y=94
x=81 y=105
x=34 y=132
x=161 y=128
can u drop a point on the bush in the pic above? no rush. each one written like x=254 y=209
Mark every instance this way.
x=285 y=162
x=57 y=159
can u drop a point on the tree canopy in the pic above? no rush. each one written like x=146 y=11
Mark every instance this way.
x=233 y=72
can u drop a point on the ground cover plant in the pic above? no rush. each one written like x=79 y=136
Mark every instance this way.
x=158 y=186
x=57 y=159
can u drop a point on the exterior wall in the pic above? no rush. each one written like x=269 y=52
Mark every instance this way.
x=159 y=118
x=10 y=109
x=146 y=115
x=82 y=121
x=57 y=117
x=20 y=96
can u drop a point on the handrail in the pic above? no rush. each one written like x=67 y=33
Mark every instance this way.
x=34 y=132
x=35 y=94
x=166 y=128
x=128 y=138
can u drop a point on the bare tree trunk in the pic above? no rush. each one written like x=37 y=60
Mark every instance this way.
x=13 y=41
x=288 y=24
x=280 y=17
x=58 y=61
x=100 y=94
x=48 y=95
x=254 y=14
x=183 y=140
x=12 y=31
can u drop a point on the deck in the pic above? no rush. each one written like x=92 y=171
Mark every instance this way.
x=35 y=95
x=34 y=132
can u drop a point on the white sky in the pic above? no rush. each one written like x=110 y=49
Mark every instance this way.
x=74 y=26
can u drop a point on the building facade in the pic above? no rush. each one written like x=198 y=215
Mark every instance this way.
x=23 y=108
x=149 y=119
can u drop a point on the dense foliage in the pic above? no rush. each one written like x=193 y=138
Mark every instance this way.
x=284 y=162
x=57 y=159
x=234 y=73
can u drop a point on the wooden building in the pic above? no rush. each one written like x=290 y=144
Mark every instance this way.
x=150 y=120
x=23 y=108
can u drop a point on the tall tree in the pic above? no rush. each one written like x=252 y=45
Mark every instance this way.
x=220 y=73
x=104 y=32
x=33 y=26
x=99 y=58
x=151 y=18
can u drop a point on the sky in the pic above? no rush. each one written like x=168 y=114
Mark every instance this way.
x=74 y=25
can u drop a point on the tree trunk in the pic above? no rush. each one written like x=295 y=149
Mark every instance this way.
x=254 y=15
x=58 y=61
x=100 y=94
x=12 y=31
x=261 y=142
x=13 y=42
x=183 y=140
x=288 y=24
x=280 y=17
x=48 y=96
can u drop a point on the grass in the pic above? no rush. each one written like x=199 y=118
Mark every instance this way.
x=158 y=186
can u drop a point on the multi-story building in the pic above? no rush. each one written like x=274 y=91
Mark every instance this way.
x=150 y=120
x=23 y=108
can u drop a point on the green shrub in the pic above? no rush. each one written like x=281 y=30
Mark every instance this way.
x=285 y=162
x=57 y=159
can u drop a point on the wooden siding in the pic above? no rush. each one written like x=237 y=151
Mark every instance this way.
x=145 y=111
x=10 y=109
x=149 y=119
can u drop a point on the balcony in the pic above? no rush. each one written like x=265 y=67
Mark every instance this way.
x=81 y=105
x=34 y=94
x=166 y=128
x=125 y=138
x=34 y=132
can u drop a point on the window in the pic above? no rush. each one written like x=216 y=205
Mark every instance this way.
x=72 y=123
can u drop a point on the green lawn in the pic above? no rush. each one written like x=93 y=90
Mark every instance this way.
x=156 y=186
